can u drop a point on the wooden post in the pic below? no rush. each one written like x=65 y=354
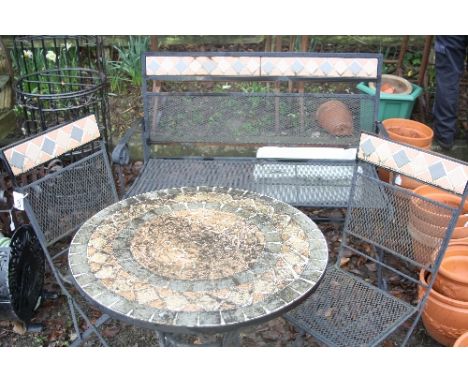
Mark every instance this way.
x=424 y=99
x=268 y=44
x=9 y=68
x=277 y=88
x=292 y=43
x=156 y=88
x=401 y=57
x=425 y=59
x=304 y=48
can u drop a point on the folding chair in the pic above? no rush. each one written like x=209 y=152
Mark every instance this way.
x=58 y=203
x=355 y=308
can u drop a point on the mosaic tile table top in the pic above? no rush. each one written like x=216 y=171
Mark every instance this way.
x=198 y=258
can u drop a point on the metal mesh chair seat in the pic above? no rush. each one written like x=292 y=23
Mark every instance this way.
x=346 y=311
x=300 y=183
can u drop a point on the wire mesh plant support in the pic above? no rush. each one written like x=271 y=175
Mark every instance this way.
x=60 y=79
x=54 y=96
x=36 y=53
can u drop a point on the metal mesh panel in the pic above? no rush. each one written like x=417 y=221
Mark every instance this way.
x=346 y=311
x=254 y=118
x=405 y=223
x=61 y=202
x=298 y=183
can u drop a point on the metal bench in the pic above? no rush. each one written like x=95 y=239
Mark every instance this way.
x=239 y=102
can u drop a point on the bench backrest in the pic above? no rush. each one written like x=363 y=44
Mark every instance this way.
x=231 y=100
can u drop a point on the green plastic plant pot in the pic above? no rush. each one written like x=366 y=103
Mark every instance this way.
x=394 y=105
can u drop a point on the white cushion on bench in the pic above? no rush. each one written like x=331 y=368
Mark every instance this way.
x=329 y=153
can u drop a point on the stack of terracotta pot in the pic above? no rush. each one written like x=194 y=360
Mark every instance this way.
x=412 y=133
x=445 y=314
x=428 y=222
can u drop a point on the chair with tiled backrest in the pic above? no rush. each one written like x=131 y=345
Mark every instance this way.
x=388 y=228
x=58 y=203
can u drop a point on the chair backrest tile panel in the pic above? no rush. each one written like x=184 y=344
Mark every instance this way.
x=262 y=66
x=51 y=144
x=430 y=168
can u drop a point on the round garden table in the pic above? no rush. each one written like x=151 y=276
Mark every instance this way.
x=197 y=260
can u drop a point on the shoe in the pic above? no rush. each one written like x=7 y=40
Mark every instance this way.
x=445 y=146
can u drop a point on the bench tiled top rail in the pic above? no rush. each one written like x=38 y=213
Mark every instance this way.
x=300 y=65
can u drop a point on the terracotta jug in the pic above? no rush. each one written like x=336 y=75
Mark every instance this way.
x=335 y=117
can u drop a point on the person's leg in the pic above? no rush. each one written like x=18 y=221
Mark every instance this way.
x=449 y=66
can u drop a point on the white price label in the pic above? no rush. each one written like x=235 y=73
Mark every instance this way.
x=18 y=200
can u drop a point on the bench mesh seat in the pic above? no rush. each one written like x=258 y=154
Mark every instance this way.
x=296 y=182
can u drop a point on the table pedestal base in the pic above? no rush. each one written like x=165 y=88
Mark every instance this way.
x=228 y=339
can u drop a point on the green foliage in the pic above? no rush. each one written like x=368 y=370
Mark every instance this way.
x=255 y=87
x=38 y=59
x=127 y=69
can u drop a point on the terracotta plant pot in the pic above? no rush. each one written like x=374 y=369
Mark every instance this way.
x=444 y=318
x=405 y=181
x=428 y=223
x=452 y=279
x=462 y=241
x=335 y=117
x=394 y=85
x=431 y=213
x=462 y=341
x=384 y=175
x=456 y=247
x=424 y=246
x=409 y=132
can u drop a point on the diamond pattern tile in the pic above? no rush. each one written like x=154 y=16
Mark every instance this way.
x=77 y=133
x=43 y=147
x=429 y=167
x=437 y=171
x=297 y=66
x=401 y=158
x=48 y=146
x=355 y=68
x=367 y=147
x=326 y=67
x=17 y=159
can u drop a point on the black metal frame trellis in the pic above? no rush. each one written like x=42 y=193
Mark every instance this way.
x=54 y=96
x=60 y=79
x=88 y=52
